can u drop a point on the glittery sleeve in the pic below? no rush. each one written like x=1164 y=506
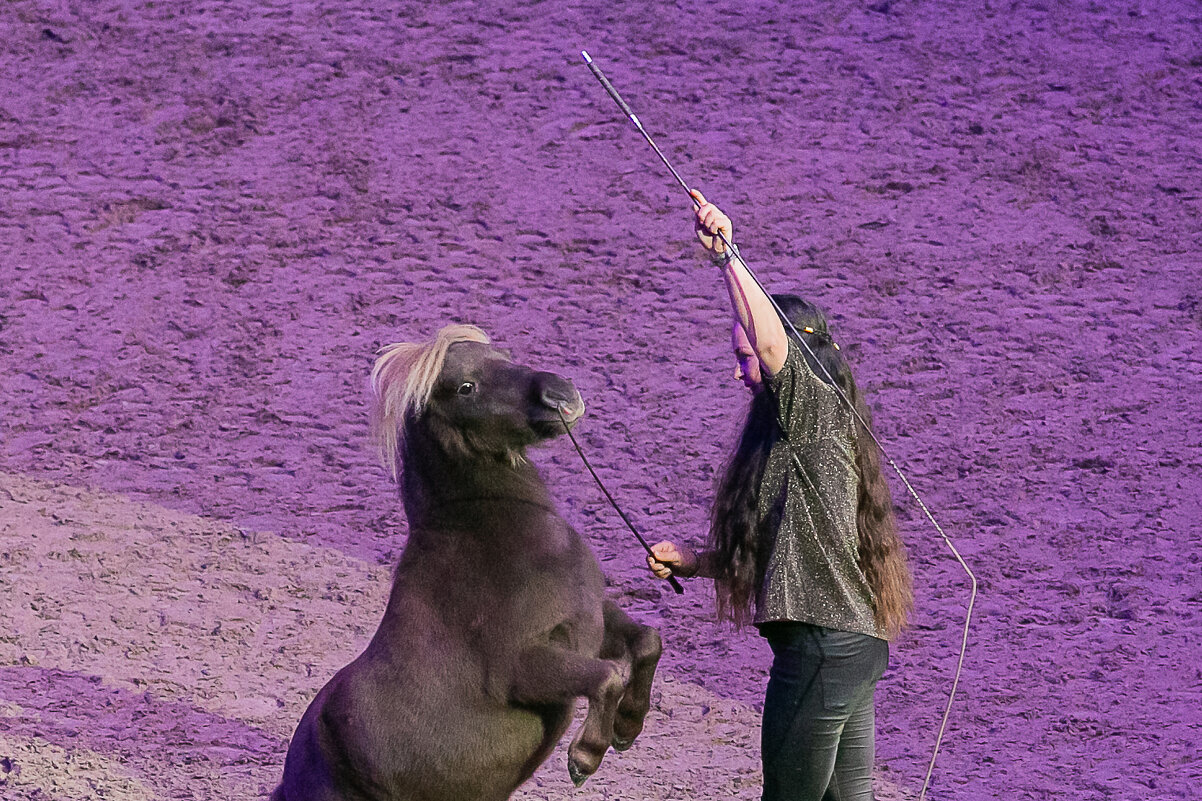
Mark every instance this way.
x=796 y=389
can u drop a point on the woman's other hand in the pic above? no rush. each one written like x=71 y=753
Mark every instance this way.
x=710 y=220
x=667 y=559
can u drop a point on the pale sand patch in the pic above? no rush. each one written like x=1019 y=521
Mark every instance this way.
x=31 y=766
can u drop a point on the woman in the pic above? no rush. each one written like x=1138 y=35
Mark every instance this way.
x=803 y=542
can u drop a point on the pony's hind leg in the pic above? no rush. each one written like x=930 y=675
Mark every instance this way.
x=550 y=674
x=640 y=647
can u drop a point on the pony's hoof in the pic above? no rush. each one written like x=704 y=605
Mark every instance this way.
x=579 y=777
x=622 y=743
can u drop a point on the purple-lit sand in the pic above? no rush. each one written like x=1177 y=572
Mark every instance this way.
x=212 y=213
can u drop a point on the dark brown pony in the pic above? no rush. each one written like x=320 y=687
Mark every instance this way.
x=497 y=619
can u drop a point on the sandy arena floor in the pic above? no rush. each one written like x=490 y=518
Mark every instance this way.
x=212 y=212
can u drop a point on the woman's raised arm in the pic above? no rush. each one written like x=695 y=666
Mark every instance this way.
x=753 y=310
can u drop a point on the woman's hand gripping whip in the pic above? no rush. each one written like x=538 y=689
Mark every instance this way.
x=671 y=579
x=617 y=98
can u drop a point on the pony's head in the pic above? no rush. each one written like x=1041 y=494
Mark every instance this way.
x=470 y=397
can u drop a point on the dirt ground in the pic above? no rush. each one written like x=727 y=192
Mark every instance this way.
x=212 y=212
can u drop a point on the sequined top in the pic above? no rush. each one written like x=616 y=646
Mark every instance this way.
x=812 y=575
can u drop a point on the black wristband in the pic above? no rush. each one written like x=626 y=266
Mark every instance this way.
x=721 y=260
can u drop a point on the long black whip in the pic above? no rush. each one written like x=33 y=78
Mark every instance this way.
x=617 y=98
x=671 y=579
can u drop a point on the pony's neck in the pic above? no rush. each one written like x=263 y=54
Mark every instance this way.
x=436 y=483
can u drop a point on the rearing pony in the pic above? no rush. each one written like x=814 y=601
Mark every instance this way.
x=497 y=619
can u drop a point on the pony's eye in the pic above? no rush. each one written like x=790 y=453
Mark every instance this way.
x=466 y=388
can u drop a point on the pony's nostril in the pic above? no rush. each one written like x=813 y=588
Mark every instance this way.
x=556 y=400
x=570 y=408
x=557 y=393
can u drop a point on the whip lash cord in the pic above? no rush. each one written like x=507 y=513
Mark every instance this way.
x=671 y=579
x=617 y=98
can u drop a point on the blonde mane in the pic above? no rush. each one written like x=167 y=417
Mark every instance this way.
x=402 y=381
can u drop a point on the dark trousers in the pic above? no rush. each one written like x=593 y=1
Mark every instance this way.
x=818 y=740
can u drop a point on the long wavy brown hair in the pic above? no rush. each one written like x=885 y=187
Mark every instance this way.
x=742 y=540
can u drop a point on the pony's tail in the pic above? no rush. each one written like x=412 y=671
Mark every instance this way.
x=402 y=380
x=278 y=795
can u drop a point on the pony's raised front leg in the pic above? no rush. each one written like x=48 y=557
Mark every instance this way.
x=549 y=674
x=640 y=647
